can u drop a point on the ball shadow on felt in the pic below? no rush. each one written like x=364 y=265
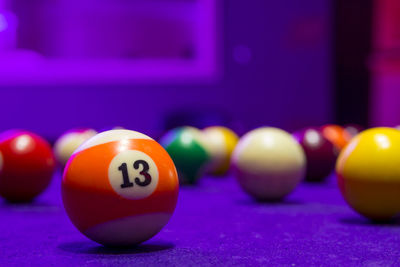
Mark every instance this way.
x=93 y=248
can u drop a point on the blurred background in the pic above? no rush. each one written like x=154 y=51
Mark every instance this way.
x=150 y=65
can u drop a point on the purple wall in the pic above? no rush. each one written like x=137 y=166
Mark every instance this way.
x=276 y=71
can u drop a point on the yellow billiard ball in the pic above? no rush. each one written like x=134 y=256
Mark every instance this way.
x=368 y=173
x=222 y=143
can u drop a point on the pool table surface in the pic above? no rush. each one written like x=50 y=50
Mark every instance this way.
x=215 y=223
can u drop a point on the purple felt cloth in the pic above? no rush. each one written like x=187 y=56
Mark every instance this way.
x=215 y=223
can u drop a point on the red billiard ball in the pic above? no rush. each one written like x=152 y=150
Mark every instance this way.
x=321 y=154
x=26 y=165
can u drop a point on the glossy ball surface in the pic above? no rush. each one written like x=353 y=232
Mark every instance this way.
x=26 y=165
x=368 y=173
x=336 y=134
x=189 y=151
x=120 y=188
x=67 y=143
x=222 y=141
x=320 y=153
x=268 y=163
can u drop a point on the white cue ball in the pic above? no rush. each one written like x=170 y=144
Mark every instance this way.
x=268 y=163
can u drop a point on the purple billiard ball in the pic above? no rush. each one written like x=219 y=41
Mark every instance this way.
x=353 y=129
x=321 y=154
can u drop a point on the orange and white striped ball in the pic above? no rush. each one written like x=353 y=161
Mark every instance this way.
x=67 y=143
x=120 y=188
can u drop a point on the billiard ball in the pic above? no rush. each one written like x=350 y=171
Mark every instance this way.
x=189 y=151
x=320 y=153
x=336 y=134
x=353 y=129
x=120 y=188
x=221 y=141
x=268 y=163
x=368 y=173
x=26 y=165
x=66 y=144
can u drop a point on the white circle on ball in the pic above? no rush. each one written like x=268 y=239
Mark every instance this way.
x=133 y=174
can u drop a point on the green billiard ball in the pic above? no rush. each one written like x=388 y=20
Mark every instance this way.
x=189 y=151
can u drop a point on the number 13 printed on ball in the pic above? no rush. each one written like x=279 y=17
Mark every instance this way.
x=133 y=174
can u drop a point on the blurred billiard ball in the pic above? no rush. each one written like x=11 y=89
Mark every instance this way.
x=336 y=134
x=67 y=143
x=368 y=173
x=26 y=165
x=120 y=188
x=190 y=152
x=321 y=154
x=222 y=142
x=353 y=129
x=268 y=163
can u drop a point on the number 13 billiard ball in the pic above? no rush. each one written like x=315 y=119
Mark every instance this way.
x=120 y=188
